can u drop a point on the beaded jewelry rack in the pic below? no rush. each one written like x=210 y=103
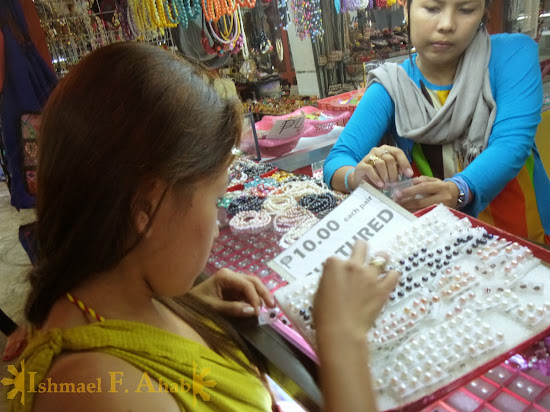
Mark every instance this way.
x=465 y=298
x=73 y=29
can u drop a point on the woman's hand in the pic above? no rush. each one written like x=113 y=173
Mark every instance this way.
x=382 y=165
x=427 y=191
x=15 y=344
x=350 y=296
x=234 y=294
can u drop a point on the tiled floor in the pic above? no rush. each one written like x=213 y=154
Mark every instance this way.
x=14 y=264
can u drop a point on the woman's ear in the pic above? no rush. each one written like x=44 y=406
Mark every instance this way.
x=146 y=201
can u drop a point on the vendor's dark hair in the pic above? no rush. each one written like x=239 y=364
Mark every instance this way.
x=126 y=113
x=408 y=11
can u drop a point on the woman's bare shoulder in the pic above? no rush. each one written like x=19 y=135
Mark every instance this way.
x=92 y=381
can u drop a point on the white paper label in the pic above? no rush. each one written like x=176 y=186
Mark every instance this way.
x=366 y=214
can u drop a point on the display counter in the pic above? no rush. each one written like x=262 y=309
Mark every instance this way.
x=292 y=362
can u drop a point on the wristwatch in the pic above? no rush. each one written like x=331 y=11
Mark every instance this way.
x=461 y=200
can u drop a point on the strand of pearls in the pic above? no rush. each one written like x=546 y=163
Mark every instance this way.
x=250 y=221
x=301 y=189
x=295 y=233
x=292 y=218
x=279 y=203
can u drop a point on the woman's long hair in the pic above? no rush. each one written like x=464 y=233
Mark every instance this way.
x=126 y=113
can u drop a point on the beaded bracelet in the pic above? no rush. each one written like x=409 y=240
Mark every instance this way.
x=250 y=221
x=346 y=183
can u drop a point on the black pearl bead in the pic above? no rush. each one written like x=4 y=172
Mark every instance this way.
x=455 y=252
x=306 y=317
x=430 y=255
x=302 y=312
x=415 y=254
x=409 y=288
x=490 y=236
x=430 y=264
x=392 y=297
x=415 y=264
x=409 y=278
x=439 y=266
x=425 y=278
x=411 y=258
x=469 y=251
x=407 y=268
x=437 y=260
x=447 y=247
x=439 y=251
x=416 y=284
x=401 y=283
x=448 y=256
x=402 y=262
x=423 y=250
x=433 y=274
x=272 y=315
x=445 y=263
x=423 y=259
x=400 y=293
x=469 y=237
x=456 y=244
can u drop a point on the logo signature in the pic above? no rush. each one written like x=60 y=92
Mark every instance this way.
x=23 y=382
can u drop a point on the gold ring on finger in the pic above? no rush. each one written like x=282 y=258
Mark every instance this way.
x=372 y=160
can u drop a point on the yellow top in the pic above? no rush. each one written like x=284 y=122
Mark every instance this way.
x=210 y=381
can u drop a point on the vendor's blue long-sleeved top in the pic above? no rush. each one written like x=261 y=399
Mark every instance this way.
x=516 y=84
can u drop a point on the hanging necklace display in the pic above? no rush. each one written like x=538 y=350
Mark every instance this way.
x=284 y=18
x=367 y=4
x=259 y=42
x=307 y=18
x=350 y=5
x=279 y=48
x=244 y=47
x=181 y=11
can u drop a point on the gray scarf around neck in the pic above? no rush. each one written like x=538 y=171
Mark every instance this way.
x=465 y=120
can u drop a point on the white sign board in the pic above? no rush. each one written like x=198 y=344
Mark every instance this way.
x=366 y=214
x=287 y=128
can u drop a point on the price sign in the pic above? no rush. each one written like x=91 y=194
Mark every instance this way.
x=287 y=128
x=366 y=214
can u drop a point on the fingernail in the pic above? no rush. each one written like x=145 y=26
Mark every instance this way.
x=258 y=309
x=380 y=184
x=397 y=194
x=249 y=310
x=409 y=172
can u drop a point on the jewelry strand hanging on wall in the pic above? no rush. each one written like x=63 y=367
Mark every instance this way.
x=349 y=5
x=307 y=18
x=284 y=17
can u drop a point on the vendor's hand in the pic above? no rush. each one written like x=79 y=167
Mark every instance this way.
x=15 y=344
x=351 y=295
x=233 y=294
x=427 y=191
x=382 y=165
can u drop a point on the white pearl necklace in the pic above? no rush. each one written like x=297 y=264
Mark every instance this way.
x=250 y=221
x=279 y=203
x=301 y=189
x=291 y=218
x=296 y=232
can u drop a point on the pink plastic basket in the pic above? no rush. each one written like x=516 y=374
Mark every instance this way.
x=319 y=127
